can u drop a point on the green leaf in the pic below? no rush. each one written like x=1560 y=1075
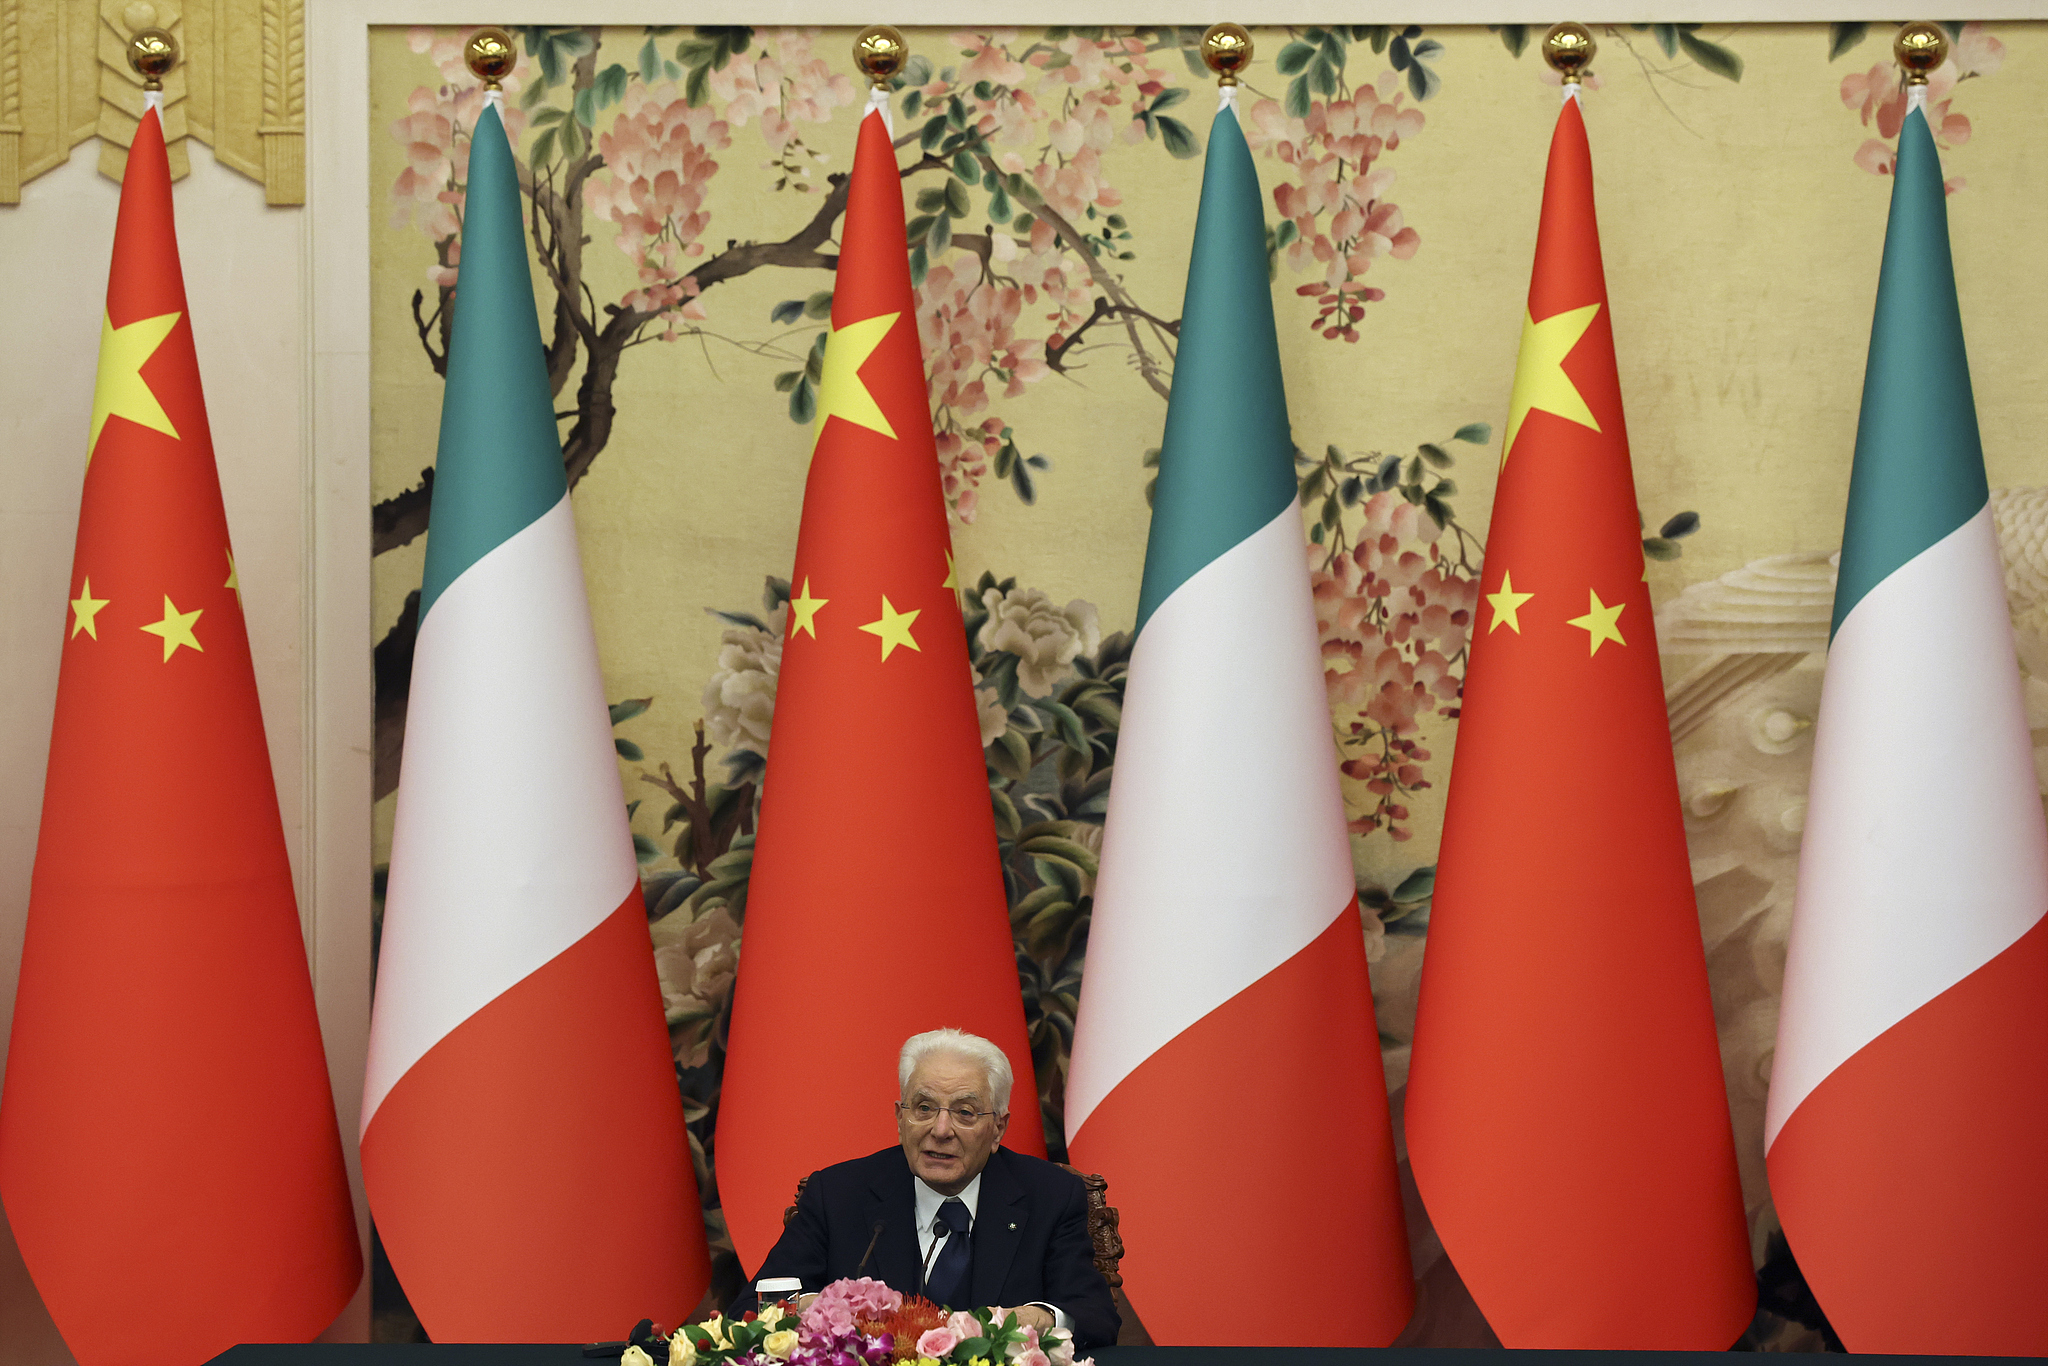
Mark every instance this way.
x=934 y=129
x=1513 y=37
x=787 y=380
x=1010 y=755
x=1167 y=99
x=957 y=202
x=1842 y=37
x=650 y=63
x=535 y=92
x=628 y=751
x=1435 y=455
x=786 y=312
x=1417 y=886
x=940 y=235
x=1069 y=725
x=1422 y=82
x=966 y=167
x=913 y=103
x=543 y=148
x=697 y=86
x=1667 y=38
x=1178 y=137
x=999 y=207
x=1445 y=488
x=819 y=305
x=1036 y=901
x=1474 y=433
x=931 y=199
x=915 y=230
x=1657 y=548
x=803 y=403
x=1322 y=76
x=920 y=265
x=586 y=105
x=1684 y=524
x=610 y=85
x=1294 y=58
x=630 y=708
x=1008 y=823
x=644 y=850
x=1712 y=56
x=1296 y=101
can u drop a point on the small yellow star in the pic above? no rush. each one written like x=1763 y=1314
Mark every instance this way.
x=176 y=628
x=804 y=611
x=1506 y=603
x=893 y=628
x=840 y=392
x=1599 y=623
x=952 y=579
x=1540 y=380
x=86 y=607
x=234 y=576
x=119 y=390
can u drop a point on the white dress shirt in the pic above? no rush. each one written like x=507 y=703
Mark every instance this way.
x=928 y=1202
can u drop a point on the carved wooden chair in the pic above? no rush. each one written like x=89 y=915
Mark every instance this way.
x=1102 y=1233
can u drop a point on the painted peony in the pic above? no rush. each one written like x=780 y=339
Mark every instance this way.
x=1046 y=639
x=739 y=697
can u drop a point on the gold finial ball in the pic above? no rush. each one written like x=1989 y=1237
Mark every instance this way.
x=1921 y=48
x=880 y=52
x=1569 y=49
x=491 y=55
x=1227 y=48
x=152 y=52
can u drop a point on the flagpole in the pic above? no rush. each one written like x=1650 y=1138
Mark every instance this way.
x=1919 y=49
x=1569 y=49
x=152 y=52
x=1227 y=49
x=880 y=52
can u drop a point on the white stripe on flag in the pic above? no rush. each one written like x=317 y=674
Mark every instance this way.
x=1925 y=855
x=1225 y=853
x=511 y=842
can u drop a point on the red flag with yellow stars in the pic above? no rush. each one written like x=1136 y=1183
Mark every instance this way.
x=1566 y=1119
x=876 y=908
x=168 y=1150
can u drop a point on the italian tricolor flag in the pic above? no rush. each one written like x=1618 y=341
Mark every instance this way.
x=1907 y=1127
x=523 y=1141
x=1226 y=1021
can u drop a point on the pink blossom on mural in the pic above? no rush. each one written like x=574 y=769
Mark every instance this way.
x=1879 y=97
x=657 y=167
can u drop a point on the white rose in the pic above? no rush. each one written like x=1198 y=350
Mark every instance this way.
x=1045 y=638
x=634 y=1356
x=681 y=1351
x=739 y=697
x=779 y=1345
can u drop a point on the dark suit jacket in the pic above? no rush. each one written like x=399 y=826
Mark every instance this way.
x=1030 y=1237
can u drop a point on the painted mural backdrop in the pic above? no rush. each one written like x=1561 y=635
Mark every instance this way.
x=683 y=188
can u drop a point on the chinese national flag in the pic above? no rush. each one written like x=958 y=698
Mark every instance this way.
x=1567 y=1123
x=168 y=1150
x=876 y=907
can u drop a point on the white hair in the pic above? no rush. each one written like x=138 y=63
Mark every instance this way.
x=959 y=1043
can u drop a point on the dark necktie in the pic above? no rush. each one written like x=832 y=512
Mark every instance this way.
x=952 y=1268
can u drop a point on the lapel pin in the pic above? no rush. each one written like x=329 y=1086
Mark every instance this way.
x=1013 y=1226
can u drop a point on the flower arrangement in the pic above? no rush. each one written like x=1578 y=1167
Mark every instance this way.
x=864 y=1323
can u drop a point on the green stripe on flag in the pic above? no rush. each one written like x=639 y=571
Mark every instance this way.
x=500 y=461
x=1919 y=471
x=1226 y=467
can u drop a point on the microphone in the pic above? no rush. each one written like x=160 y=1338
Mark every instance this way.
x=877 y=1236
x=940 y=1232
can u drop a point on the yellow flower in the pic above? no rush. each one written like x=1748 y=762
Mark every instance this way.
x=979 y=1361
x=773 y=1315
x=633 y=1356
x=927 y=1361
x=682 y=1351
x=715 y=1325
x=780 y=1345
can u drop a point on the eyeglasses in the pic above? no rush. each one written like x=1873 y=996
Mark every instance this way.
x=926 y=1112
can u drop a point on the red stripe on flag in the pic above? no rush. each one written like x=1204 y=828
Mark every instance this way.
x=1913 y=1181
x=518 y=1170
x=1256 y=1144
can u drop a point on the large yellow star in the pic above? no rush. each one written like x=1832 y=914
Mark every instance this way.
x=176 y=628
x=1599 y=623
x=1506 y=603
x=85 y=607
x=840 y=392
x=1540 y=380
x=119 y=390
x=952 y=579
x=804 y=611
x=893 y=628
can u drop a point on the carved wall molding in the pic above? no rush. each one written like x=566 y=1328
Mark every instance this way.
x=239 y=86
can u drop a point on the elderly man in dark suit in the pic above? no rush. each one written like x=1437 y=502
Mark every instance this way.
x=949 y=1214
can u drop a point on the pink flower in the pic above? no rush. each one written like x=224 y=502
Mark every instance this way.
x=1031 y=1356
x=963 y=1325
x=937 y=1342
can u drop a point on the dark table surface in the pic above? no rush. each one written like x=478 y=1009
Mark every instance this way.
x=513 y=1354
